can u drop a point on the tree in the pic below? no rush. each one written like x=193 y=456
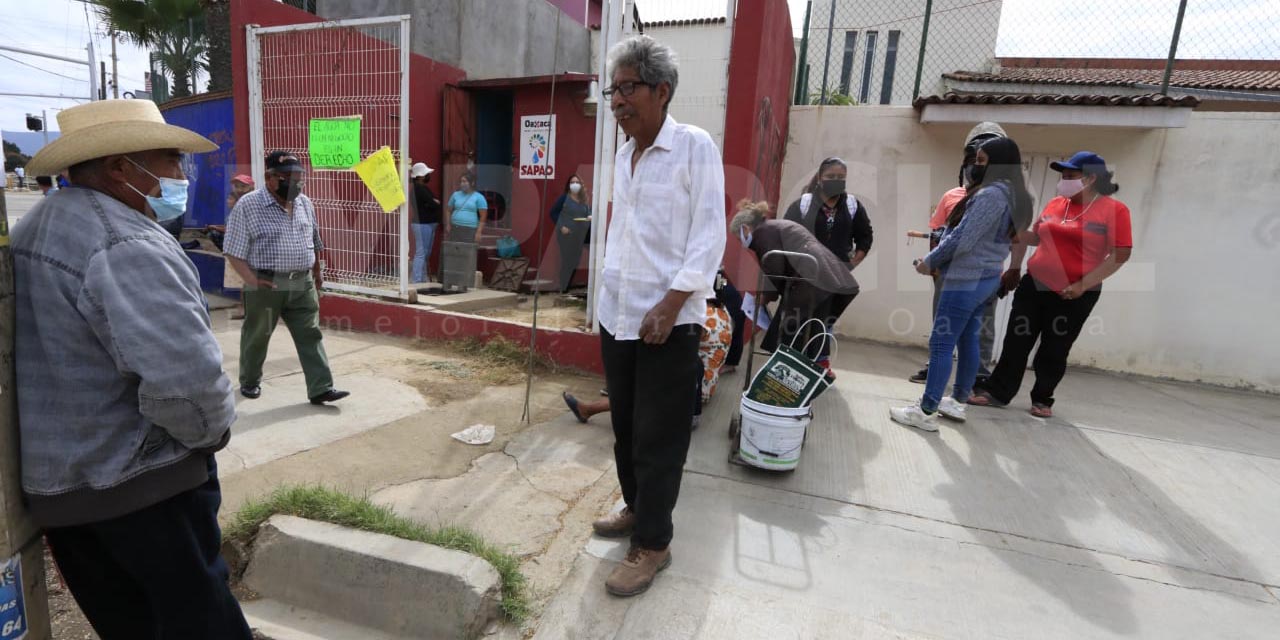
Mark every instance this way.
x=217 y=32
x=14 y=157
x=175 y=29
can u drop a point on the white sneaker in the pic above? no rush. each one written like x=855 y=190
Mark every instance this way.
x=949 y=408
x=913 y=416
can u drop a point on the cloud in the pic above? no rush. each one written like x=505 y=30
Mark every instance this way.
x=1236 y=29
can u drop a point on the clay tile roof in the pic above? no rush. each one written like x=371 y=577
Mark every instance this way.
x=685 y=23
x=1151 y=100
x=1221 y=79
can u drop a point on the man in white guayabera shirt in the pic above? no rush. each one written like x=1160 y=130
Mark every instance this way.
x=665 y=242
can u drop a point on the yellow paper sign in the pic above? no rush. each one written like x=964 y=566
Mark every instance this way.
x=378 y=171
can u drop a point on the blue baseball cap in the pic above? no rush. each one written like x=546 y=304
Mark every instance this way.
x=1079 y=161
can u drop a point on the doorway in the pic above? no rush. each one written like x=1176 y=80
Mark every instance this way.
x=495 y=118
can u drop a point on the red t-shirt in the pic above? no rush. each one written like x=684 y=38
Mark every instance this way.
x=948 y=202
x=1076 y=238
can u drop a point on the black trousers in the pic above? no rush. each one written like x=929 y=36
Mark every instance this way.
x=652 y=392
x=154 y=574
x=1044 y=315
x=803 y=302
x=732 y=301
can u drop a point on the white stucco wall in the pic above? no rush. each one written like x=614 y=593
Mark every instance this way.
x=1201 y=296
x=703 y=54
x=962 y=35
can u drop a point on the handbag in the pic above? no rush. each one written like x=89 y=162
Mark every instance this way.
x=508 y=247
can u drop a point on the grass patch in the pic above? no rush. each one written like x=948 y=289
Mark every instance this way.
x=329 y=505
x=497 y=361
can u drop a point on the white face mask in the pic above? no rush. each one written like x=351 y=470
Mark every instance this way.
x=745 y=237
x=1069 y=188
x=575 y=188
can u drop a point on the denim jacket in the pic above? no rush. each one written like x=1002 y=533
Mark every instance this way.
x=977 y=247
x=121 y=393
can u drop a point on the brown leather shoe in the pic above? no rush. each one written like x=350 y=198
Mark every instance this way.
x=634 y=576
x=616 y=525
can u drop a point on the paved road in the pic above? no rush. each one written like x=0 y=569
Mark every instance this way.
x=19 y=203
x=1144 y=510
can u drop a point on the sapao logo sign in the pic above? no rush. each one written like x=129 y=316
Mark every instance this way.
x=537 y=147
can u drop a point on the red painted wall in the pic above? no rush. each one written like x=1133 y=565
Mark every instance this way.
x=566 y=348
x=761 y=61
x=574 y=151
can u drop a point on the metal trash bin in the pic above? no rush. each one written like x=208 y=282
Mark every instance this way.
x=458 y=265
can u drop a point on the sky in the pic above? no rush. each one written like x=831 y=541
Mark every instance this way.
x=1114 y=28
x=57 y=27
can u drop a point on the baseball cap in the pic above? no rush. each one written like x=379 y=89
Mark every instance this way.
x=243 y=179
x=420 y=169
x=1079 y=161
x=283 y=161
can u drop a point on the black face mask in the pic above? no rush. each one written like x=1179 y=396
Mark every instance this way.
x=832 y=188
x=974 y=174
x=289 y=190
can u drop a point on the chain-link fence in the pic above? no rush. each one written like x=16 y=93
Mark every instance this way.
x=892 y=51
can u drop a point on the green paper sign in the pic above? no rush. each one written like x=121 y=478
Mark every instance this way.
x=334 y=143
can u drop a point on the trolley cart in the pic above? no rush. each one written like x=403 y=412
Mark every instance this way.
x=735 y=422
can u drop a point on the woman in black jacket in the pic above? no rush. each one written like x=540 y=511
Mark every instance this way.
x=832 y=215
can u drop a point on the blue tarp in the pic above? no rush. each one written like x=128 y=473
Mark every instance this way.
x=209 y=173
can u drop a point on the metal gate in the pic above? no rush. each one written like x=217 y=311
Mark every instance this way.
x=343 y=68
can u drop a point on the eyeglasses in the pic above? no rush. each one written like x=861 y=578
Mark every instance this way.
x=625 y=88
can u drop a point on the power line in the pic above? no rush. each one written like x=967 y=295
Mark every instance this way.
x=28 y=64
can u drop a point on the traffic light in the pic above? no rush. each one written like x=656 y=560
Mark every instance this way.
x=34 y=123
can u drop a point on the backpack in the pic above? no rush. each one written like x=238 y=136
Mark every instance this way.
x=850 y=201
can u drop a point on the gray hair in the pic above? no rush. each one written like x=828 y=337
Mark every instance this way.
x=746 y=218
x=655 y=62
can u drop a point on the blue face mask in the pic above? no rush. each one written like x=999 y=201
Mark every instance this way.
x=172 y=202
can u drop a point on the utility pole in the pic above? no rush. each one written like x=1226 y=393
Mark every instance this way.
x=93 y=73
x=44 y=125
x=22 y=586
x=115 y=77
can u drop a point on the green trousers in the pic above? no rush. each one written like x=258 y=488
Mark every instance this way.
x=297 y=303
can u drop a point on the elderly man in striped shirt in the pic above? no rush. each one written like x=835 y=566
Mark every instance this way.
x=273 y=242
x=665 y=242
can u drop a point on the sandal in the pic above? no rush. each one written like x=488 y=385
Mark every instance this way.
x=573 y=406
x=985 y=399
x=1041 y=410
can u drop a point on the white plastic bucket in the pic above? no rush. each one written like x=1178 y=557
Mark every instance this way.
x=770 y=441
x=770 y=410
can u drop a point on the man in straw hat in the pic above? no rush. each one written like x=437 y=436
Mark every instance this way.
x=122 y=400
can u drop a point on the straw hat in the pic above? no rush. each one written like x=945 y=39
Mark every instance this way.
x=110 y=127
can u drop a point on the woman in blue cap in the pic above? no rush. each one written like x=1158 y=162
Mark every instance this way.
x=1082 y=237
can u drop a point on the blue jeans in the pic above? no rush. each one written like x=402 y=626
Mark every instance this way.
x=424 y=236
x=955 y=328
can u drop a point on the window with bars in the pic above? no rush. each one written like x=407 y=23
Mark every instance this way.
x=846 y=66
x=868 y=62
x=890 y=64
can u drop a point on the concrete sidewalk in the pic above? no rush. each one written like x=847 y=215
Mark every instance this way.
x=1145 y=510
